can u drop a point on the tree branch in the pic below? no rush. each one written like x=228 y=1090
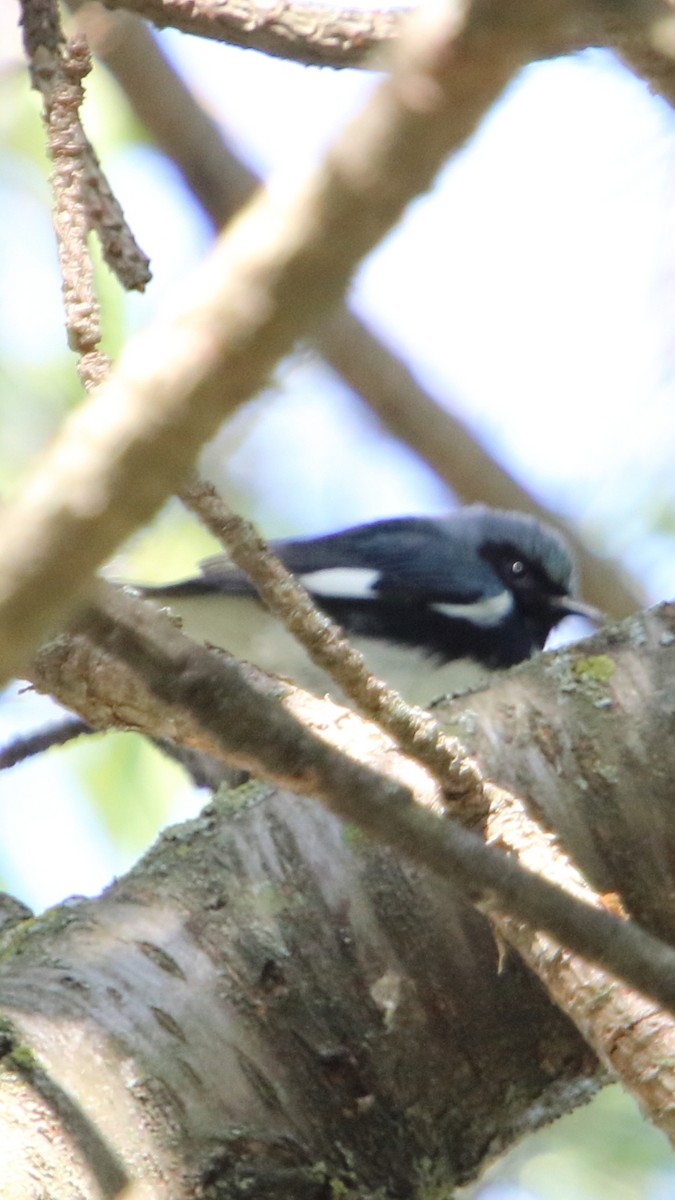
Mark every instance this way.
x=414 y=730
x=203 y=703
x=22 y=748
x=307 y=33
x=212 y=690
x=270 y=277
x=585 y=737
x=268 y=1006
x=314 y=35
x=221 y=183
x=82 y=197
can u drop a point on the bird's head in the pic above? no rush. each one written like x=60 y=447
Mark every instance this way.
x=519 y=570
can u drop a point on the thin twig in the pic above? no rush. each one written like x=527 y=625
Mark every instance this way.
x=82 y=197
x=104 y=213
x=414 y=730
x=22 y=748
x=57 y=71
x=203 y=769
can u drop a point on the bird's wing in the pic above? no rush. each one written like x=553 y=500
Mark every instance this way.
x=404 y=558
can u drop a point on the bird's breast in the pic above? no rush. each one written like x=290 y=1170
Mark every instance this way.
x=242 y=626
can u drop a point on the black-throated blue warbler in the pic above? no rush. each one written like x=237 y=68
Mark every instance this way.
x=434 y=604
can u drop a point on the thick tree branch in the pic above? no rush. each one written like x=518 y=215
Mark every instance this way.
x=585 y=736
x=268 y=1006
x=208 y=706
x=314 y=34
x=188 y=676
x=308 y=33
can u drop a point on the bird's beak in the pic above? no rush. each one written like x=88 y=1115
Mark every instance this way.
x=578 y=608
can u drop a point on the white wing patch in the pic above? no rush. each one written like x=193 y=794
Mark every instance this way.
x=488 y=611
x=342 y=583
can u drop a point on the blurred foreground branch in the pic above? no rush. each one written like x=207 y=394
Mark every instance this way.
x=221 y=183
x=282 y=265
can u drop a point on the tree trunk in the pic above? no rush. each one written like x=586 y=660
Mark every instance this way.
x=270 y=1005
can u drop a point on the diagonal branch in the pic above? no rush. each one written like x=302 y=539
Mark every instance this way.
x=285 y=262
x=212 y=690
x=415 y=731
x=200 y=699
x=221 y=183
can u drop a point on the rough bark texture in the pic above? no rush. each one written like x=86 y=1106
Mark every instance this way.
x=269 y=1005
x=266 y=1001
x=588 y=743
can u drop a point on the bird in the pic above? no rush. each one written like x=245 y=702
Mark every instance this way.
x=435 y=604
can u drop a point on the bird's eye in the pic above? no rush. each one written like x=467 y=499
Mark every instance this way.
x=517 y=569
